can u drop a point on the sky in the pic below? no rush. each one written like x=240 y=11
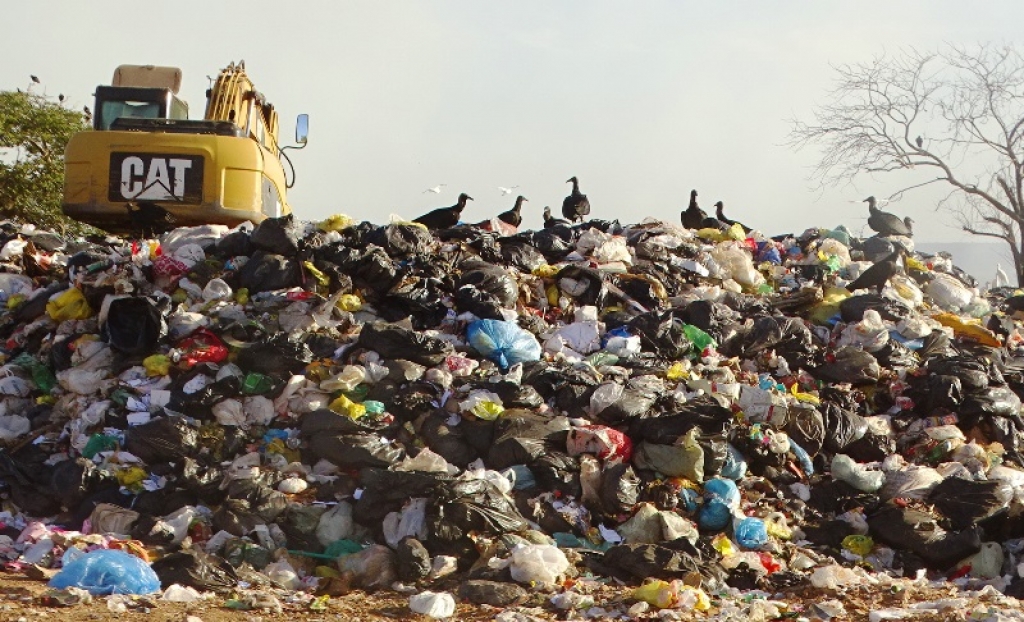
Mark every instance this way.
x=641 y=101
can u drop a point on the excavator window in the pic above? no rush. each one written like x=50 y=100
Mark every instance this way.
x=113 y=103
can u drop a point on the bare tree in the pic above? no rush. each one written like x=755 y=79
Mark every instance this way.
x=953 y=117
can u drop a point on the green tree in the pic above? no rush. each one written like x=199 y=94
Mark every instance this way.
x=34 y=130
x=953 y=117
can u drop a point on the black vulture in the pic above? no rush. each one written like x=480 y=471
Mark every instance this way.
x=550 y=221
x=720 y=214
x=444 y=217
x=575 y=206
x=884 y=222
x=919 y=141
x=909 y=222
x=879 y=274
x=514 y=216
x=693 y=216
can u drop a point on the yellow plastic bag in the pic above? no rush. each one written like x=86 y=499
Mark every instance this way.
x=803 y=397
x=69 y=305
x=829 y=306
x=677 y=371
x=350 y=303
x=345 y=406
x=968 y=329
x=657 y=593
x=858 y=545
x=131 y=476
x=157 y=365
x=545 y=271
x=487 y=410
x=337 y=222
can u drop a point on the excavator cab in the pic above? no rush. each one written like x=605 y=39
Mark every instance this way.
x=122 y=102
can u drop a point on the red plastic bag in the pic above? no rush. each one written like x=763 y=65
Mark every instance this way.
x=203 y=347
x=604 y=442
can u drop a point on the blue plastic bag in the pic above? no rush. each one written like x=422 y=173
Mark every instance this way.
x=735 y=466
x=108 y=571
x=801 y=455
x=751 y=533
x=720 y=498
x=503 y=342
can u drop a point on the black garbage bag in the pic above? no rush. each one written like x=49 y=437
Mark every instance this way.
x=894 y=355
x=974 y=373
x=993 y=401
x=936 y=343
x=920 y=533
x=353 y=451
x=475 y=505
x=234 y=244
x=447 y=441
x=73 y=481
x=851 y=365
x=299 y=523
x=631 y=404
x=520 y=437
x=199 y=404
x=373 y=271
x=619 y=488
x=966 y=502
x=278 y=356
x=387 y=491
x=842 y=426
x=413 y=400
x=401 y=241
x=27 y=478
x=134 y=324
x=829 y=533
x=516 y=395
x=662 y=333
x=196 y=569
x=585 y=285
x=281 y=236
x=491 y=279
x=643 y=561
x=394 y=342
x=559 y=472
x=236 y=517
x=469 y=299
x=202 y=480
x=262 y=500
x=852 y=309
x=522 y=255
x=267 y=272
x=327 y=422
x=704 y=413
x=413 y=559
x=871 y=447
x=163 y=439
x=554 y=243
x=835 y=497
x=420 y=298
x=806 y=426
x=934 y=391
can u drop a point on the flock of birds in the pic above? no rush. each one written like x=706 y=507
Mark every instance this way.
x=576 y=206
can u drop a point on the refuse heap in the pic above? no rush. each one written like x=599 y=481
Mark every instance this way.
x=342 y=405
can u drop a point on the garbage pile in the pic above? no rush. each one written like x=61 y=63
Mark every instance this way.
x=342 y=405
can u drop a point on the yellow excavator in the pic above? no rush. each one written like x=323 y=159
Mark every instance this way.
x=147 y=166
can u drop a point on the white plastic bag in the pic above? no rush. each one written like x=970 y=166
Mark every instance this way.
x=539 y=564
x=433 y=604
x=335 y=524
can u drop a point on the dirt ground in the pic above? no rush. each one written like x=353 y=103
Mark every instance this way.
x=24 y=600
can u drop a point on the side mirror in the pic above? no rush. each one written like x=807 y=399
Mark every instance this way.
x=302 y=129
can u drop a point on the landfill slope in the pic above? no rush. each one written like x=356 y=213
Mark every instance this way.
x=607 y=418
